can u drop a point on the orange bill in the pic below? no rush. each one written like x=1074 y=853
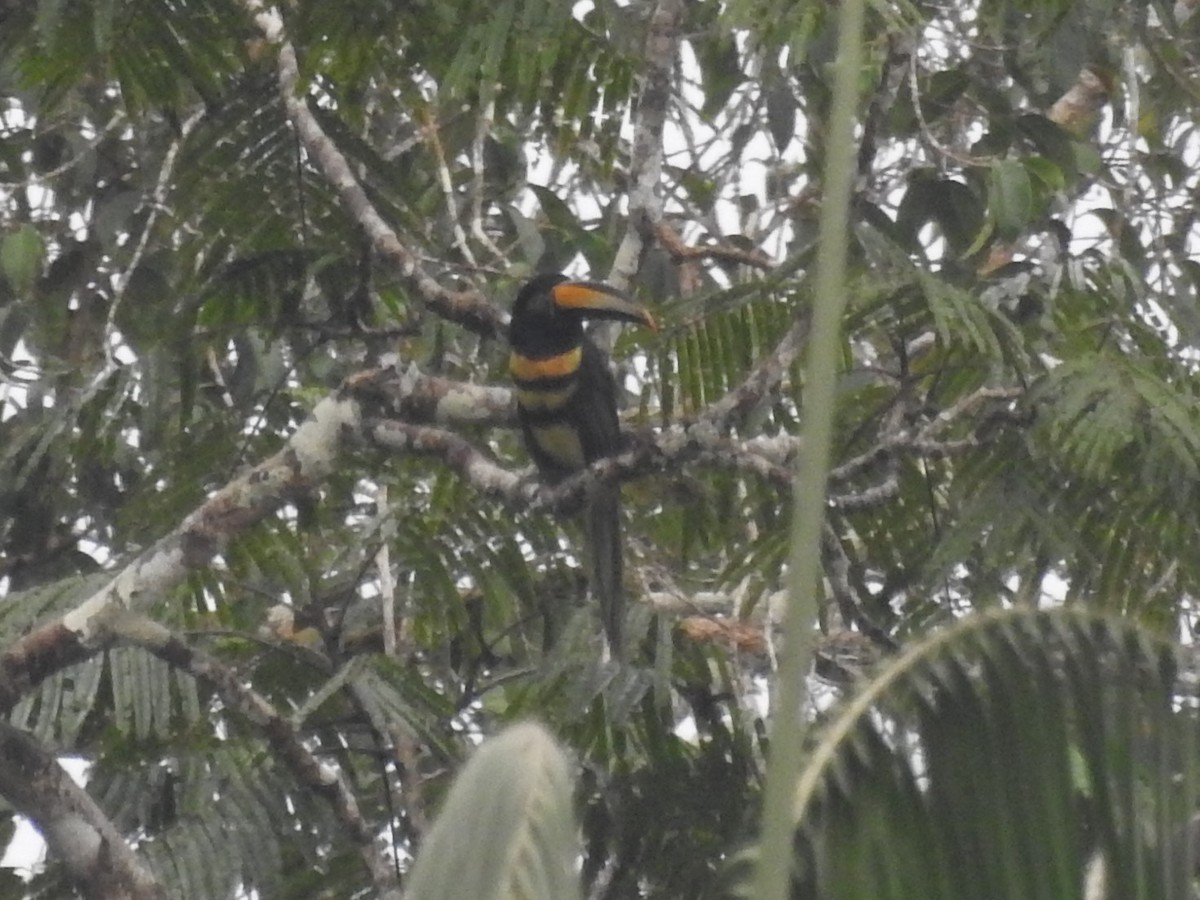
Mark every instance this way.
x=601 y=302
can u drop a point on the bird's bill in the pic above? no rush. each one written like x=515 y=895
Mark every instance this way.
x=599 y=301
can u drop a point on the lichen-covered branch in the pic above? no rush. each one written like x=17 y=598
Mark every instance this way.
x=645 y=169
x=408 y=394
x=303 y=463
x=369 y=408
x=475 y=466
x=75 y=829
x=649 y=452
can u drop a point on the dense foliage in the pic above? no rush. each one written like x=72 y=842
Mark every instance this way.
x=208 y=225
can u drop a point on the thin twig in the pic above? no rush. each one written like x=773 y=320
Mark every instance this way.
x=387 y=584
x=483 y=127
x=434 y=143
x=681 y=251
x=726 y=412
x=965 y=159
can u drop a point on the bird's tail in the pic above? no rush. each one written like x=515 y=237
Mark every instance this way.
x=608 y=568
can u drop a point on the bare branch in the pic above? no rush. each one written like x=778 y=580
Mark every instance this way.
x=962 y=158
x=472 y=464
x=762 y=379
x=483 y=127
x=681 y=251
x=924 y=444
x=430 y=130
x=868 y=498
x=75 y=828
x=645 y=170
x=967 y=404
x=312 y=452
x=900 y=48
x=413 y=396
x=157 y=204
x=701 y=443
x=648 y=452
x=849 y=603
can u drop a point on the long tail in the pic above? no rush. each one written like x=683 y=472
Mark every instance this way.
x=608 y=568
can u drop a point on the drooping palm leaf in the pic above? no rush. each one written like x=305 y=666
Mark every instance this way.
x=1014 y=754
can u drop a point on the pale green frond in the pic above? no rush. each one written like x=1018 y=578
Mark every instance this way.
x=506 y=830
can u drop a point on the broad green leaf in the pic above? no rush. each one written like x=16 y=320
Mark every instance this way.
x=1046 y=172
x=21 y=254
x=1010 y=198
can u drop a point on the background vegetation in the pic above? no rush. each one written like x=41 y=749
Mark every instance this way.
x=273 y=563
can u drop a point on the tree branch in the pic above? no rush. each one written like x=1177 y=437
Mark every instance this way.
x=681 y=251
x=727 y=412
x=304 y=462
x=323 y=781
x=645 y=169
x=413 y=396
x=76 y=830
x=312 y=452
x=849 y=603
x=649 y=452
x=475 y=466
x=466 y=308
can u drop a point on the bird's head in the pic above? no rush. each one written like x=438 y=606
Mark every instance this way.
x=551 y=304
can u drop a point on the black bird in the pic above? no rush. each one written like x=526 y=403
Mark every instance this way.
x=567 y=406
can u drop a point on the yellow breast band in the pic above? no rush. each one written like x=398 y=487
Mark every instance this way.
x=523 y=368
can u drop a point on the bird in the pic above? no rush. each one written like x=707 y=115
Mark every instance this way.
x=567 y=410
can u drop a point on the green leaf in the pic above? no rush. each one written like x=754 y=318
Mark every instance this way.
x=21 y=255
x=943 y=91
x=506 y=831
x=1087 y=158
x=1047 y=172
x=1010 y=198
x=721 y=70
x=559 y=214
x=951 y=204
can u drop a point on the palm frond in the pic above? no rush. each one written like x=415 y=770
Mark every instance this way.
x=1006 y=756
x=506 y=829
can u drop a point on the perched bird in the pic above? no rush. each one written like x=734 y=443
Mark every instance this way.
x=567 y=406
